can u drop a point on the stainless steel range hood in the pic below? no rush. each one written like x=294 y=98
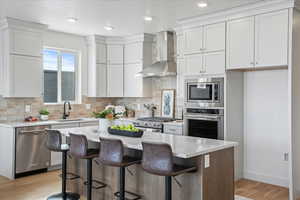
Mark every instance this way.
x=165 y=64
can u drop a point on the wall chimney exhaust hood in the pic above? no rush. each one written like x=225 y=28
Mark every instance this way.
x=165 y=64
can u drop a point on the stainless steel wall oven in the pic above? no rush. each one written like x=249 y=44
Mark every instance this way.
x=204 y=123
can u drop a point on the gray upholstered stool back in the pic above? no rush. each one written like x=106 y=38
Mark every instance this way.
x=111 y=152
x=157 y=158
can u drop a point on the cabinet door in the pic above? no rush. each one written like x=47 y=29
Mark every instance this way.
x=214 y=63
x=240 y=43
x=26 y=77
x=193 y=64
x=133 y=53
x=101 y=53
x=272 y=39
x=180 y=77
x=193 y=40
x=214 y=37
x=179 y=45
x=115 y=54
x=101 y=80
x=26 y=43
x=115 y=81
x=133 y=84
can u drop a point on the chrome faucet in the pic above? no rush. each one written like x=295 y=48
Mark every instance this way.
x=152 y=108
x=66 y=114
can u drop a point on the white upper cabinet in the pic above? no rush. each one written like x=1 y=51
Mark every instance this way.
x=21 y=55
x=194 y=64
x=179 y=45
x=26 y=43
x=214 y=63
x=193 y=40
x=240 y=43
x=115 y=81
x=271 y=39
x=132 y=83
x=26 y=78
x=101 y=80
x=115 y=54
x=258 y=42
x=101 y=53
x=214 y=37
x=181 y=71
x=133 y=53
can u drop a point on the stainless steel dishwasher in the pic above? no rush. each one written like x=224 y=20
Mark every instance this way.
x=31 y=151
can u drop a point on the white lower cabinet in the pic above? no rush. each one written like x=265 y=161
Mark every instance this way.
x=26 y=77
x=101 y=80
x=115 y=81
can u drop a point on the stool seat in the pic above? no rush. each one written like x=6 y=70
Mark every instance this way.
x=91 y=153
x=179 y=169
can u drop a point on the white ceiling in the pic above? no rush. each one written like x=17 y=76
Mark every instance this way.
x=125 y=15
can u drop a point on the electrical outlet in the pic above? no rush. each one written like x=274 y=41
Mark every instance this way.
x=88 y=106
x=206 y=161
x=27 y=108
x=286 y=156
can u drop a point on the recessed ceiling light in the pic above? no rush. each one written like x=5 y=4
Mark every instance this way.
x=148 y=18
x=108 y=28
x=202 y=4
x=72 y=20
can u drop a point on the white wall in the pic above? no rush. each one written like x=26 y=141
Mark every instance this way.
x=71 y=42
x=266 y=126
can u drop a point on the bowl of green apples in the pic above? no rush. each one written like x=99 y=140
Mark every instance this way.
x=125 y=130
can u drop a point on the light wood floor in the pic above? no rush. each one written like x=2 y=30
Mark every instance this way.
x=38 y=187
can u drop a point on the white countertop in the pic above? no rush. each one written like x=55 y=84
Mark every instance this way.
x=53 y=122
x=44 y=123
x=182 y=146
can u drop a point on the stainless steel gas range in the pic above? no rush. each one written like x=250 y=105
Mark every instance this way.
x=153 y=124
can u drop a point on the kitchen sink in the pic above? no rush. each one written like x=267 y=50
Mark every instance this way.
x=70 y=120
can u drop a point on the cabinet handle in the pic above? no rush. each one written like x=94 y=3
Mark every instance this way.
x=252 y=63
x=256 y=63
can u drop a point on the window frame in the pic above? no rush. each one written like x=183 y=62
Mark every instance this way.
x=77 y=72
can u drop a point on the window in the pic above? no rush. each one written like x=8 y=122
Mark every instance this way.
x=60 y=76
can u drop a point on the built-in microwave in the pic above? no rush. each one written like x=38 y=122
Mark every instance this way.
x=204 y=92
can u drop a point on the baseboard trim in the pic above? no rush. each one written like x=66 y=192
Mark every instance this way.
x=266 y=179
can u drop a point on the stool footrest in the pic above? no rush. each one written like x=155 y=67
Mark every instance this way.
x=98 y=184
x=133 y=195
x=70 y=176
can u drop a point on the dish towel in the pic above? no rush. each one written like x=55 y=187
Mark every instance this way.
x=237 y=197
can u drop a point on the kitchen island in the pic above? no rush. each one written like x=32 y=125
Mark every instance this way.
x=214 y=179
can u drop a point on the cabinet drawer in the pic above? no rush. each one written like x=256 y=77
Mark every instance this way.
x=175 y=130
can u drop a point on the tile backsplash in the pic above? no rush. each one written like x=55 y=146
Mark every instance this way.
x=13 y=109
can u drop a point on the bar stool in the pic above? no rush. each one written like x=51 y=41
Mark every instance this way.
x=79 y=149
x=112 y=154
x=158 y=160
x=54 y=143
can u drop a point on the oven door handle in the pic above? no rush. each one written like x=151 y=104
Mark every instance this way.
x=206 y=118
